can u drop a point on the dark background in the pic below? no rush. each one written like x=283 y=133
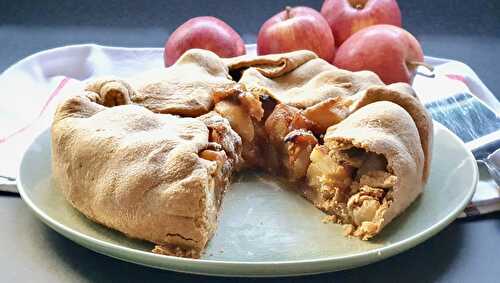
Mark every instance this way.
x=469 y=31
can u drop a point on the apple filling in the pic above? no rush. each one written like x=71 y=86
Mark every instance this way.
x=224 y=149
x=351 y=184
x=291 y=143
x=221 y=173
x=244 y=112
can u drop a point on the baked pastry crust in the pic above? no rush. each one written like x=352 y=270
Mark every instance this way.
x=185 y=89
x=142 y=173
x=388 y=132
x=152 y=155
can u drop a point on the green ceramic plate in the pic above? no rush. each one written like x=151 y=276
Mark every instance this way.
x=266 y=229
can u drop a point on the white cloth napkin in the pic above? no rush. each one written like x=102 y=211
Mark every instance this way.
x=32 y=88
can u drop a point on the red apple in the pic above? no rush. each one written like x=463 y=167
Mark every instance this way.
x=346 y=17
x=390 y=51
x=207 y=33
x=296 y=29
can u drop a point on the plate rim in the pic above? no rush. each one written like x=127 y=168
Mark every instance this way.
x=224 y=267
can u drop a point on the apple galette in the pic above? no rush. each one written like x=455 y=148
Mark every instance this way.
x=151 y=156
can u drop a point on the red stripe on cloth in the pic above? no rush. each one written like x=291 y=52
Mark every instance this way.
x=463 y=79
x=457 y=78
x=54 y=93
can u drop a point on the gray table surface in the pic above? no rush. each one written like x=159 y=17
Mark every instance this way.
x=466 y=251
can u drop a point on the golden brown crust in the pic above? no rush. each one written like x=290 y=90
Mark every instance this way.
x=310 y=83
x=273 y=65
x=403 y=95
x=161 y=177
x=184 y=89
x=387 y=129
x=136 y=171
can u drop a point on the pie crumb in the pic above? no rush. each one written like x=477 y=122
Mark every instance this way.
x=348 y=229
x=329 y=219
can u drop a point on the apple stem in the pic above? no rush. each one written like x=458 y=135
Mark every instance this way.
x=415 y=64
x=288 y=10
